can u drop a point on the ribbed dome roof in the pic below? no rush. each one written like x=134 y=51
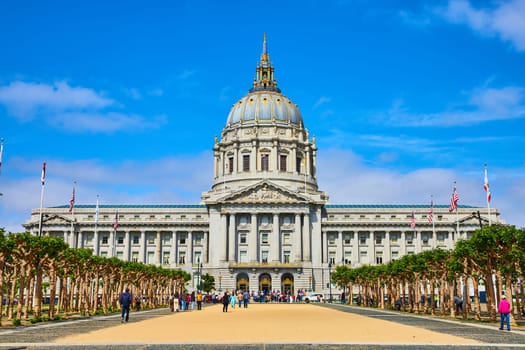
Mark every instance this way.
x=265 y=103
x=264 y=107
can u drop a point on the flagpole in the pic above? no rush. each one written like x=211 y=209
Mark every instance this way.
x=487 y=189
x=43 y=180
x=95 y=238
x=72 y=204
x=433 y=224
x=457 y=213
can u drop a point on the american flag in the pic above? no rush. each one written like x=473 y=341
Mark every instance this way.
x=486 y=186
x=431 y=211
x=412 y=221
x=43 y=177
x=72 y=200
x=453 y=200
x=115 y=224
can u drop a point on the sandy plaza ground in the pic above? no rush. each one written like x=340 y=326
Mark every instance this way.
x=263 y=323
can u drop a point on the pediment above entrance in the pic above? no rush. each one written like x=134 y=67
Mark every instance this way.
x=55 y=219
x=264 y=192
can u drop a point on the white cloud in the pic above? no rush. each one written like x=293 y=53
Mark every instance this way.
x=483 y=105
x=506 y=20
x=104 y=122
x=321 y=101
x=72 y=108
x=24 y=100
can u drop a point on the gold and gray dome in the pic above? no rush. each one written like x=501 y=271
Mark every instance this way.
x=265 y=104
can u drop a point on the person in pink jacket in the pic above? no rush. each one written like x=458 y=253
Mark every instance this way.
x=504 y=311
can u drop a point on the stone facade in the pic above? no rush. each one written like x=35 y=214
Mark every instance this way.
x=264 y=224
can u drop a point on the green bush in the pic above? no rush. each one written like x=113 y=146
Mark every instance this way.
x=17 y=322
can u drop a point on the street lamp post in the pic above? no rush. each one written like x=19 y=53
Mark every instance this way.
x=199 y=272
x=310 y=283
x=330 y=279
x=220 y=282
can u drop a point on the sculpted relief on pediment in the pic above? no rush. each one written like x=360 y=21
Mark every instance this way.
x=265 y=194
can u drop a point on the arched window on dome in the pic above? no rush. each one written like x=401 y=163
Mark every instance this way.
x=282 y=162
x=265 y=162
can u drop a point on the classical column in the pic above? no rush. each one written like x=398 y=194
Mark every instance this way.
x=231 y=238
x=221 y=241
x=340 y=253
x=275 y=241
x=297 y=256
x=126 y=246
x=306 y=238
x=95 y=243
x=112 y=244
x=324 y=246
x=142 y=251
x=418 y=241
x=403 y=244
x=204 y=257
x=173 y=249
x=253 y=242
x=189 y=255
x=158 y=248
x=387 y=254
x=355 y=248
x=80 y=242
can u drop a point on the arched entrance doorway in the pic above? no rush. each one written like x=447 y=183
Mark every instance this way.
x=265 y=283
x=243 y=281
x=287 y=284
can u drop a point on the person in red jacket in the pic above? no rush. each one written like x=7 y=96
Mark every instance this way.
x=504 y=311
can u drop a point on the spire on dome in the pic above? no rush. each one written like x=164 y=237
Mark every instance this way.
x=264 y=77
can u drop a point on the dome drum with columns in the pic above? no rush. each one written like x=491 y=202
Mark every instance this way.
x=264 y=225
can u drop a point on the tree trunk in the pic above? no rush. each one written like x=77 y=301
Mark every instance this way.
x=475 y=286
x=52 y=291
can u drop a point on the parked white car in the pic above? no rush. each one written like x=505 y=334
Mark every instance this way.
x=313 y=297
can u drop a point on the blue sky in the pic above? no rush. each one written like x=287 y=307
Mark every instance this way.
x=404 y=98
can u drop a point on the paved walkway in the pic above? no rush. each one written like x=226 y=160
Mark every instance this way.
x=272 y=326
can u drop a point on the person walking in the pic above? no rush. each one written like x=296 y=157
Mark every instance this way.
x=125 y=302
x=225 y=301
x=245 y=298
x=504 y=311
x=233 y=299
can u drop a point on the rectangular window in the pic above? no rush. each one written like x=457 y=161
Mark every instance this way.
x=105 y=239
x=286 y=238
x=120 y=240
x=246 y=162
x=264 y=256
x=182 y=240
x=347 y=238
x=264 y=238
x=151 y=258
x=348 y=257
x=135 y=256
x=424 y=238
x=379 y=240
x=198 y=238
x=166 y=258
x=440 y=237
x=393 y=238
x=104 y=254
x=243 y=256
x=182 y=258
x=264 y=162
x=379 y=260
x=242 y=238
x=298 y=161
x=136 y=239
x=395 y=254
x=151 y=239
x=362 y=240
x=331 y=238
x=282 y=162
x=286 y=256
x=120 y=255
x=89 y=240
x=410 y=238
x=230 y=165
x=166 y=239
x=197 y=258
x=331 y=258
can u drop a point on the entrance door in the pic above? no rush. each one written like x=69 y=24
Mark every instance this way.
x=243 y=282
x=287 y=284
x=265 y=283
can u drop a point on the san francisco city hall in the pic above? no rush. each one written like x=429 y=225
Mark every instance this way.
x=264 y=225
